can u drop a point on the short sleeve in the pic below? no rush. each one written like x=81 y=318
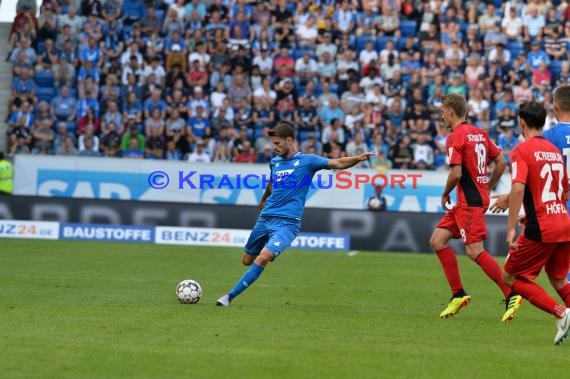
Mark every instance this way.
x=454 y=150
x=318 y=163
x=519 y=167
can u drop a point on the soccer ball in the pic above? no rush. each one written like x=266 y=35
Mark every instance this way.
x=189 y=291
x=376 y=204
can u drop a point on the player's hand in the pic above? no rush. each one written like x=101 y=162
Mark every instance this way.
x=364 y=156
x=511 y=234
x=445 y=199
x=522 y=221
x=501 y=205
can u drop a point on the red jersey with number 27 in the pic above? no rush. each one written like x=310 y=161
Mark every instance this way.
x=471 y=148
x=539 y=165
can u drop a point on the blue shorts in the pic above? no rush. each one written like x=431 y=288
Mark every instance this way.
x=274 y=233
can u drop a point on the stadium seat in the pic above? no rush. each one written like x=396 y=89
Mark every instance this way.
x=516 y=48
x=41 y=48
x=298 y=53
x=304 y=134
x=44 y=79
x=45 y=93
x=258 y=132
x=361 y=42
x=160 y=14
x=408 y=28
x=381 y=42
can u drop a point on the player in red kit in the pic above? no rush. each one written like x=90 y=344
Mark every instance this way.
x=469 y=150
x=540 y=183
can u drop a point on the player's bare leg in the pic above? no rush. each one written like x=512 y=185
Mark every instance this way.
x=247 y=259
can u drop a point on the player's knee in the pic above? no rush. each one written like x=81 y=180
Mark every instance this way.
x=473 y=250
x=508 y=279
x=557 y=284
x=247 y=259
x=436 y=242
x=264 y=257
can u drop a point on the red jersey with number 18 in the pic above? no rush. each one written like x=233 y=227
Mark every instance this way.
x=539 y=165
x=471 y=148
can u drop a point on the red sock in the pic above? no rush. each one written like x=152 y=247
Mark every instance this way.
x=538 y=297
x=449 y=263
x=564 y=293
x=493 y=270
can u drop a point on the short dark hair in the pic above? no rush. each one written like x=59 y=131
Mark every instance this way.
x=533 y=114
x=562 y=98
x=283 y=129
x=455 y=102
x=1 y=155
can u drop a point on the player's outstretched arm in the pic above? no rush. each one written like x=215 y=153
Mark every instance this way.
x=347 y=162
x=452 y=180
x=500 y=165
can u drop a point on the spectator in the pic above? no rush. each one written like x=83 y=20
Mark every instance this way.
x=512 y=25
x=265 y=155
x=89 y=149
x=423 y=152
x=155 y=144
x=132 y=133
x=402 y=154
x=533 y=26
x=555 y=45
x=133 y=151
x=199 y=155
x=111 y=142
x=246 y=154
x=43 y=138
x=67 y=148
x=330 y=112
x=154 y=122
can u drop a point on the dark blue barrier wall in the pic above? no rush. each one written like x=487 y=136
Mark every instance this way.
x=408 y=232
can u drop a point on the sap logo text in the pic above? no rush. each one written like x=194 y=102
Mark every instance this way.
x=92 y=185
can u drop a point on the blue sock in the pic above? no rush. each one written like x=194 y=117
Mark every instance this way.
x=246 y=280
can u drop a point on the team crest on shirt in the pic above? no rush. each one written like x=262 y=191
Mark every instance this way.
x=296 y=163
x=276 y=164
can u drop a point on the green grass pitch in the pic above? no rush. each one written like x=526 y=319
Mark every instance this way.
x=108 y=310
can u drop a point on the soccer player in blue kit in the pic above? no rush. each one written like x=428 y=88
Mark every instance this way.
x=559 y=135
x=282 y=204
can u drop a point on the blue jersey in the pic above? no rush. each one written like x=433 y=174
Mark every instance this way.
x=559 y=136
x=291 y=179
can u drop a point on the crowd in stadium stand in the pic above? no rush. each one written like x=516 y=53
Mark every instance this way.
x=203 y=80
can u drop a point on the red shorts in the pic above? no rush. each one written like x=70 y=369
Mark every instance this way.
x=467 y=223
x=532 y=256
